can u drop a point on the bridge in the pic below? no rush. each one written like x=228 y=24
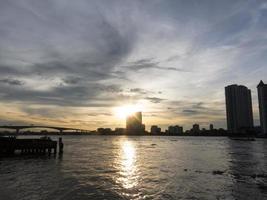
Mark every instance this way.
x=60 y=129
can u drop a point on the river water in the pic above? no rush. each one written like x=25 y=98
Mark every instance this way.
x=121 y=167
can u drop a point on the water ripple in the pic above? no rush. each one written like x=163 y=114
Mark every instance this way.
x=109 y=167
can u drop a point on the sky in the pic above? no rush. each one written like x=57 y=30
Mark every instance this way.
x=73 y=63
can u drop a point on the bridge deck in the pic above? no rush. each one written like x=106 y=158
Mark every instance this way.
x=61 y=129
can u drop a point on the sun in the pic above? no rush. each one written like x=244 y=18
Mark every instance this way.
x=126 y=110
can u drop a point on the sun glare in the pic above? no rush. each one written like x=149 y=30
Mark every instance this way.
x=126 y=110
x=128 y=165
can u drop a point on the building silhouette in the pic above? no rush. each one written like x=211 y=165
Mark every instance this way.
x=155 y=129
x=134 y=124
x=104 y=131
x=238 y=108
x=175 y=130
x=119 y=131
x=262 y=95
x=211 y=127
x=195 y=128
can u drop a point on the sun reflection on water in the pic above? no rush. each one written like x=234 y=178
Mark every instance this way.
x=128 y=169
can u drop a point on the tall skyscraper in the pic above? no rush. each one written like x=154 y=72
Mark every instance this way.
x=238 y=108
x=262 y=95
x=134 y=123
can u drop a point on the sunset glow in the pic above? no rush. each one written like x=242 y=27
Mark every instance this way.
x=123 y=111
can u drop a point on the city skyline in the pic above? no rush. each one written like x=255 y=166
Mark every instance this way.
x=75 y=63
x=238 y=107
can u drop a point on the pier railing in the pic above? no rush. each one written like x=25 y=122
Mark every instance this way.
x=12 y=145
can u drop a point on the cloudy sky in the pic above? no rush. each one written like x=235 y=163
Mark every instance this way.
x=71 y=63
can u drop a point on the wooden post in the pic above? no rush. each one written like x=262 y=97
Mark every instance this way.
x=61 y=145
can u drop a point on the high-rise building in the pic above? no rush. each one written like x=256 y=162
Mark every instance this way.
x=134 y=124
x=262 y=95
x=238 y=108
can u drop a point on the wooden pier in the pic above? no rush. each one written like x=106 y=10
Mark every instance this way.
x=42 y=146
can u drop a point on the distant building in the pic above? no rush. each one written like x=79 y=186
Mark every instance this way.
x=238 y=108
x=155 y=129
x=143 y=127
x=100 y=130
x=104 y=131
x=134 y=124
x=175 y=130
x=196 y=128
x=262 y=95
x=119 y=131
x=211 y=127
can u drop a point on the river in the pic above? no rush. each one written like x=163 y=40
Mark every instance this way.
x=140 y=167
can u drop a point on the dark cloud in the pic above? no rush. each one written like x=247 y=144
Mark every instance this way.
x=173 y=58
x=95 y=114
x=199 y=105
x=80 y=49
x=6 y=70
x=80 y=58
x=190 y=112
x=195 y=109
x=93 y=94
x=45 y=112
x=11 y=81
x=155 y=99
x=144 y=64
x=139 y=91
x=71 y=80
